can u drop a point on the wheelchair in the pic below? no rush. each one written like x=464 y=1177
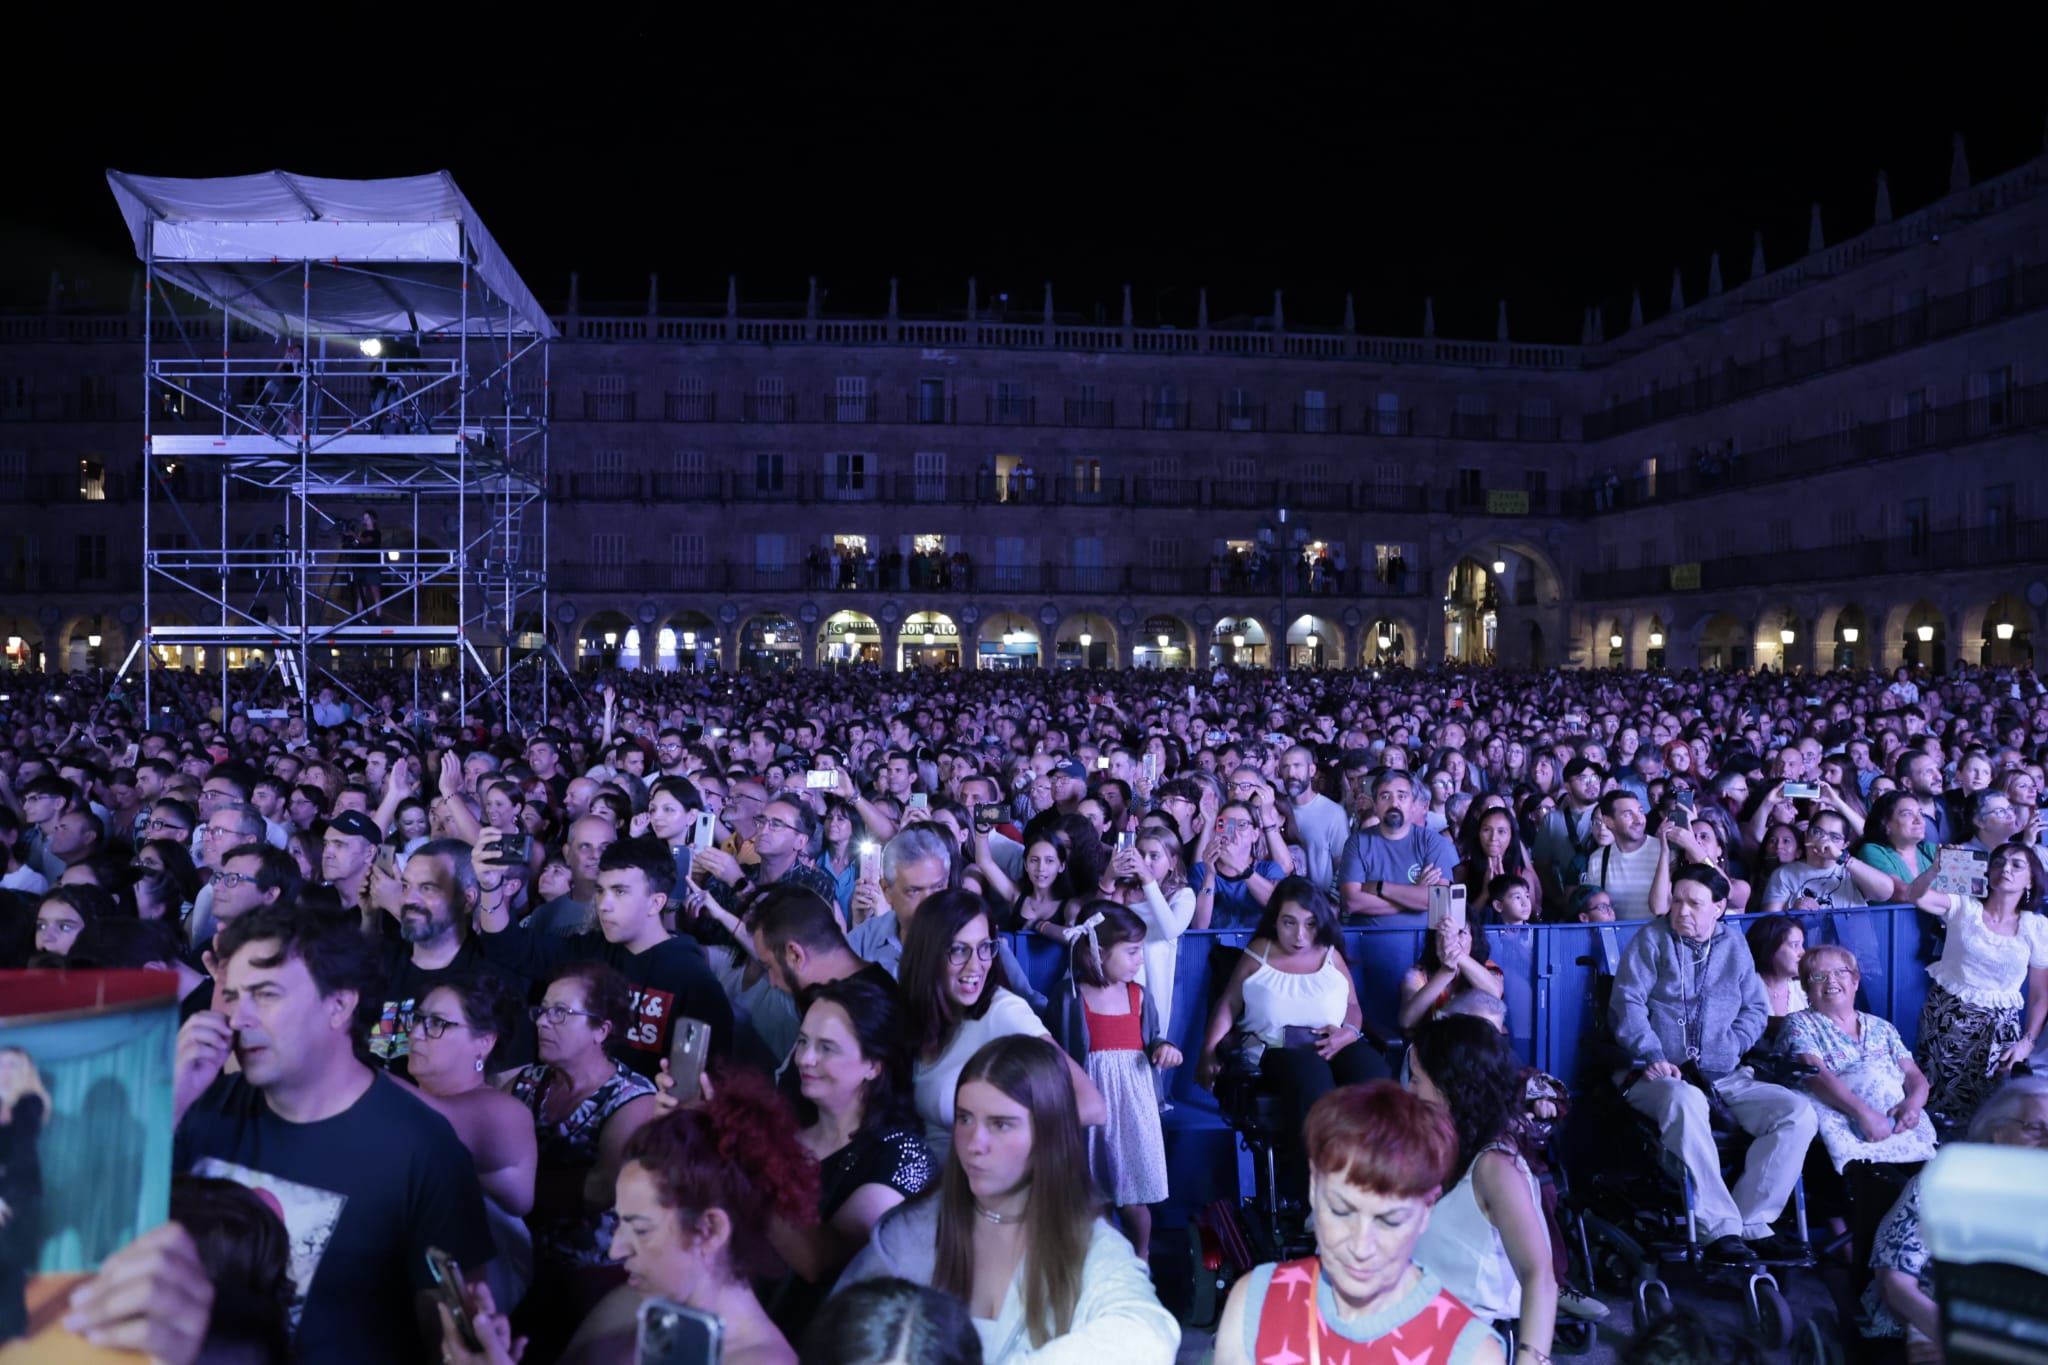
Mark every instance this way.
x=1640 y=1217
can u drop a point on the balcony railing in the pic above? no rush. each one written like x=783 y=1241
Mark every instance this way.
x=1240 y=417
x=841 y=407
x=609 y=407
x=1942 y=316
x=769 y=407
x=692 y=407
x=1318 y=421
x=1090 y=412
x=1944 y=551
x=1231 y=580
x=1012 y=411
x=925 y=409
x=1953 y=424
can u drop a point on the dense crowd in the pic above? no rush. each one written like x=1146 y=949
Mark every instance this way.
x=443 y=973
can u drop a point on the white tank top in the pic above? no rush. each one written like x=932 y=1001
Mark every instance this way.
x=1275 y=1000
x=1463 y=1248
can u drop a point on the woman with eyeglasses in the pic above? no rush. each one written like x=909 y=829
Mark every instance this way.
x=1868 y=1092
x=586 y=1106
x=1234 y=884
x=956 y=999
x=456 y=1028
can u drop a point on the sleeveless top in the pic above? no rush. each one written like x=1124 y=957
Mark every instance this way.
x=578 y=1239
x=1275 y=1000
x=1983 y=968
x=1463 y=1248
x=1117 y=1032
x=1291 y=1317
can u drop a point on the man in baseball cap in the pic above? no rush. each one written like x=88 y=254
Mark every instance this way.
x=1069 y=785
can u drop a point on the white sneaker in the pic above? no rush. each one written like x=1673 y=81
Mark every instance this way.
x=1582 y=1306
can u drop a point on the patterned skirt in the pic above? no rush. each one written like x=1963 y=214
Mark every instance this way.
x=1960 y=1048
x=1128 y=1154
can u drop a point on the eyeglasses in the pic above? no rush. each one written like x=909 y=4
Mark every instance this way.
x=772 y=823
x=958 y=953
x=216 y=792
x=433 y=1025
x=668 y=748
x=228 y=881
x=1832 y=974
x=154 y=823
x=553 y=1014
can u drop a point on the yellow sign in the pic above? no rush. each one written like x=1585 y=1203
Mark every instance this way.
x=1507 y=502
x=1685 y=577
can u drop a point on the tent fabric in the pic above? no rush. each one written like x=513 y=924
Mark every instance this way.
x=388 y=253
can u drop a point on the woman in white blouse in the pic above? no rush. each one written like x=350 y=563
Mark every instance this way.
x=1993 y=968
x=955 y=1000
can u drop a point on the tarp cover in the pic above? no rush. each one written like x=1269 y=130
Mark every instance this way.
x=388 y=253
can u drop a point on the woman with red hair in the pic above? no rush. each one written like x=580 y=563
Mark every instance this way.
x=1378 y=1158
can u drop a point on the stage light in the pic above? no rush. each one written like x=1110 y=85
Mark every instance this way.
x=372 y=347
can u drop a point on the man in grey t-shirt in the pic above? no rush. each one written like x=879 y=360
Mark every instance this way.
x=1822 y=879
x=1320 y=826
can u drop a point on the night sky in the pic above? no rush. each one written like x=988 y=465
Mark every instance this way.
x=1460 y=155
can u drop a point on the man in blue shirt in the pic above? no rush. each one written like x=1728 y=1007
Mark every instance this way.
x=1390 y=867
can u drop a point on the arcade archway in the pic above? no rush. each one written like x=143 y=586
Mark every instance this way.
x=1471 y=613
x=770 y=643
x=1086 y=640
x=1240 y=642
x=689 y=643
x=1724 y=644
x=1007 y=640
x=849 y=639
x=928 y=639
x=1315 y=642
x=1164 y=642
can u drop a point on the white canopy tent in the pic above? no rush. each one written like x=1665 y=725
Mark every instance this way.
x=392 y=253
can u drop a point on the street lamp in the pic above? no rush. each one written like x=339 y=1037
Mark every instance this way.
x=1926 y=634
x=1656 y=639
x=1313 y=642
x=1386 y=640
x=1237 y=642
x=1787 y=636
x=1500 y=567
x=93 y=641
x=1614 y=641
x=1086 y=639
x=1850 y=634
x=689 y=639
x=1162 y=642
x=2004 y=629
x=611 y=638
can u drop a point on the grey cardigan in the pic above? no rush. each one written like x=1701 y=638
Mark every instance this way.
x=1656 y=988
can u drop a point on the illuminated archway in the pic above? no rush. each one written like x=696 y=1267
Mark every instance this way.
x=602 y=641
x=1163 y=641
x=849 y=639
x=1387 y=643
x=1315 y=642
x=23 y=639
x=1007 y=639
x=1085 y=640
x=2007 y=633
x=1724 y=643
x=769 y=643
x=930 y=639
x=687 y=642
x=1240 y=642
x=1471 y=613
x=1780 y=636
x=1926 y=637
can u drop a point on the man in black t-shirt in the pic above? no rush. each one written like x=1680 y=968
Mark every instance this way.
x=668 y=972
x=436 y=899
x=364 y=1175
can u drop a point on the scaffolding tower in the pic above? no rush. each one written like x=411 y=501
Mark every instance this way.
x=344 y=433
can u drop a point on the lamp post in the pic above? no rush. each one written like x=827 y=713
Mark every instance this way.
x=1287 y=542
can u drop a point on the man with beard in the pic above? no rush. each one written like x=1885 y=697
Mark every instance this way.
x=1320 y=827
x=437 y=900
x=1390 y=868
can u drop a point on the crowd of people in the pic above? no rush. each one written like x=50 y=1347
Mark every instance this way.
x=451 y=980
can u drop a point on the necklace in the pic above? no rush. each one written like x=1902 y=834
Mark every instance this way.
x=999 y=1219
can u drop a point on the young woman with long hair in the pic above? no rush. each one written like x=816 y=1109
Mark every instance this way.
x=1014 y=1231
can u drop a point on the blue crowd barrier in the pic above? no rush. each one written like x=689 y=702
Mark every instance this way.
x=1550 y=975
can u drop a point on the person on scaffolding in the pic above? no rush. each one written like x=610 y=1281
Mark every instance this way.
x=366 y=574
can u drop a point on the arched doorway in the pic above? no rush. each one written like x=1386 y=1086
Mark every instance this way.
x=1610 y=644
x=1536 y=659
x=1653 y=657
x=1471 y=613
x=1008 y=640
x=1779 y=633
x=2008 y=633
x=688 y=643
x=770 y=643
x=1313 y=642
x=1926 y=643
x=929 y=639
x=1164 y=642
x=1239 y=642
x=89 y=640
x=23 y=639
x=1386 y=644
x=1851 y=643
x=849 y=639
x=1724 y=644
x=602 y=641
x=1085 y=641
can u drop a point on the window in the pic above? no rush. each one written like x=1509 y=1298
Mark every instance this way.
x=1536 y=482
x=13 y=473
x=928 y=467
x=606 y=476
x=931 y=400
x=92 y=480
x=1012 y=404
x=14 y=394
x=690 y=403
x=1998 y=513
x=1909 y=418
x=1474 y=417
x=1913 y=519
x=1992 y=405
x=1536 y=422
x=608 y=400
x=686 y=559
x=768 y=472
x=1087 y=477
x=1386 y=414
x=850 y=398
x=1164 y=410
x=1165 y=467
x=608 y=559
x=693 y=476
x=1089 y=574
x=1471 y=487
x=1315 y=412
x=1388 y=487
x=1162 y=560
x=528 y=549
x=846 y=474
x=1242 y=470
x=1009 y=573
x=769 y=404
x=1238 y=410
x=1726 y=542
x=1315 y=474
x=92 y=557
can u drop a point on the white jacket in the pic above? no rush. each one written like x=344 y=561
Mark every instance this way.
x=1118 y=1316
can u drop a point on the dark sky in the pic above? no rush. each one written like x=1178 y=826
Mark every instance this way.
x=1456 y=153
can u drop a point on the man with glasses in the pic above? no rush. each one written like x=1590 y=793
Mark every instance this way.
x=231 y=825
x=916 y=865
x=1390 y=867
x=437 y=899
x=44 y=799
x=670 y=754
